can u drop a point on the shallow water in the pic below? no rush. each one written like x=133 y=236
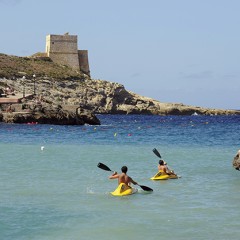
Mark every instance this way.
x=59 y=193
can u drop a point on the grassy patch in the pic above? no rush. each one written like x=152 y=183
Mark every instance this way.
x=15 y=67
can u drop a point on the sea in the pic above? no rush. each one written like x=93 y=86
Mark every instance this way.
x=52 y=189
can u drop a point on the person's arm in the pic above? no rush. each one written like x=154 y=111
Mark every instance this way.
x=133 y=182
x=114 y=175
x=168 y=171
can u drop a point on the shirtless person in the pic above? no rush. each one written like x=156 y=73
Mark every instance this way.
x=123 y=177
x=162 y=167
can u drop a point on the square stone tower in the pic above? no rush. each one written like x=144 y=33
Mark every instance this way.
x=63 y=49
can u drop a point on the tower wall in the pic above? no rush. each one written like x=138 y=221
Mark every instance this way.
x=63 y=49
x=83 y=61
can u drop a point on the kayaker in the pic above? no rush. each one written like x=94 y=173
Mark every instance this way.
x=168 y=170
x=123 y=177
x=162 y=167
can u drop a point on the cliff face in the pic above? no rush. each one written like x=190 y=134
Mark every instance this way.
x=60 y=85
x=102 y=97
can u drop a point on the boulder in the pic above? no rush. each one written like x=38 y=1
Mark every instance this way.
x=51 y=115
x=236 y=161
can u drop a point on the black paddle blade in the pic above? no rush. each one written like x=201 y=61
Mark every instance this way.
x=104 y=167
x=145 y=188
x=157 y=153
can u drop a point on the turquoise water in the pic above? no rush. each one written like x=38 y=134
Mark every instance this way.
x=59 y=193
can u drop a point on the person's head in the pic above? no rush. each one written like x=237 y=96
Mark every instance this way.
x=124 y=169
x=161 y=162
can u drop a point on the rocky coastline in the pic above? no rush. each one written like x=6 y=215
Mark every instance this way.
x=45 y=92
x=76 y=102
x=56 y=117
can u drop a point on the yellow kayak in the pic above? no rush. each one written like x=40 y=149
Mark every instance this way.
x=164 y=176
x=173 y=176
x=123 y=190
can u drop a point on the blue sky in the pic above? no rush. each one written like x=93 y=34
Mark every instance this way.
x=179 y=51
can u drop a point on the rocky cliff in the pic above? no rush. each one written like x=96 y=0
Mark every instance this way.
x=60 y=85
x=101 y=97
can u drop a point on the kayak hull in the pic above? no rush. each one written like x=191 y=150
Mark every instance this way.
x=163 y=176
x=123 y=190
x=173 y=176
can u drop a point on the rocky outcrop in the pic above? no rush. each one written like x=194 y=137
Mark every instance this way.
x=50 y=115
x=61 y=85
x=236 y=161
x=103 y=97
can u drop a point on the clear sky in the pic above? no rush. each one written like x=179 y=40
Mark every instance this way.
x=179 y=51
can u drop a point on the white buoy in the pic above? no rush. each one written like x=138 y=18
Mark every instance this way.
x=42 y=147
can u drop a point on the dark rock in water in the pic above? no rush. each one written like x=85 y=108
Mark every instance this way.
x=87 y=117
x=236 y=161
x=51 y=116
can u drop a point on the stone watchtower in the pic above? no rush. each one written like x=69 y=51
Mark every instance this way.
x=63 y=49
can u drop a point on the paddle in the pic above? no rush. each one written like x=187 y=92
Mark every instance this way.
x=106 y=168
x=157 y=153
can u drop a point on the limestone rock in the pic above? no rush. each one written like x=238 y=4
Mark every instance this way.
x=236 y=161
x=103 y=97
x=51 y=115
x=62 y=85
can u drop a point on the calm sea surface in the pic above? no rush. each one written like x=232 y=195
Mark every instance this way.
x=51 y=188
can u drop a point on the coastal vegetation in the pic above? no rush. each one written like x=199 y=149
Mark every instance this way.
x=16 y=67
